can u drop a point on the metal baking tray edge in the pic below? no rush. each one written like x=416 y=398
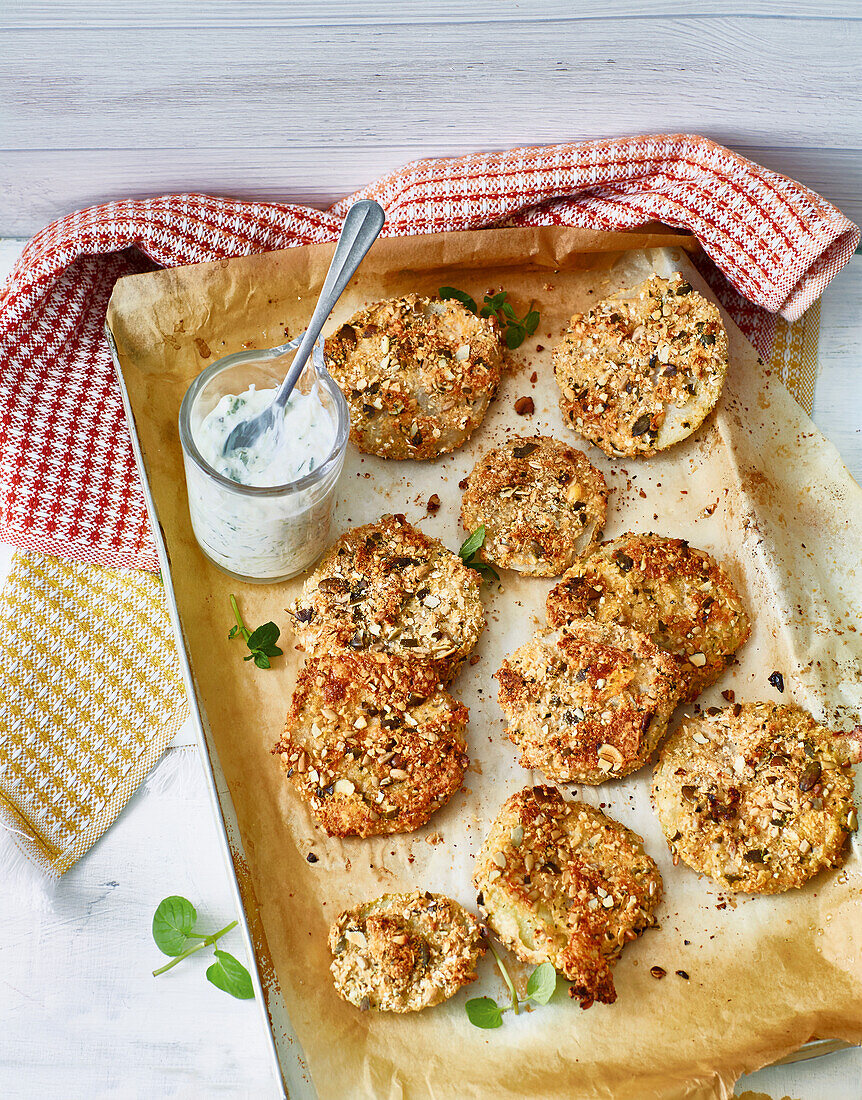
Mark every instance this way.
x=289 y=1067
x=291 y=1070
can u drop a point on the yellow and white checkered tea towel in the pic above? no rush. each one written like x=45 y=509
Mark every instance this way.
x=91 y=697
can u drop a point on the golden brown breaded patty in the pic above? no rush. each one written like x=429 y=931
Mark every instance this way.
x=560 y=882
x=387 y=587
x=373 y=743
x=643 y=369
x=758 y=796
x=404 y=952
x=678 y=596
x=542 y=504
x=587 y=703
x=418 y=375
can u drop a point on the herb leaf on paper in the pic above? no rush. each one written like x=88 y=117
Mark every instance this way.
x=261 y=642
x=483 y=1012
x=486 y=1013
x=542 y=983
x=468 y=552
x=515 y=329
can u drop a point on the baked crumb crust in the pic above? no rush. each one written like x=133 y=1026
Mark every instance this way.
x=418 y=375
x=642 y=370
x=561 y=882
x=589 y=702
x=372 y=743
x=404 y=952
x=677 y=595
x=759 y=796
x=542 y=503
x=388 y=588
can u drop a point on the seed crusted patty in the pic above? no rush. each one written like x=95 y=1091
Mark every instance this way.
x=589 y=702
x=372 y=743
x=542 y=504
x=404 y=952
x=678 y=596
x=387 y=587
x=759 y=796
x=642 y=370
x=560 y=882
x=418 y=375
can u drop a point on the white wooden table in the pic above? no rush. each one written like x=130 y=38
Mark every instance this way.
x=307 y=100
x=80 y=1014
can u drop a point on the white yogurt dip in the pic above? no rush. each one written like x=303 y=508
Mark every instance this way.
x=303 y=439
x=261 y=513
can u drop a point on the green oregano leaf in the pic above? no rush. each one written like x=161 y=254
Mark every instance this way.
x=515 y=330
x=542 y=983
x=483 y=1012
x=230 y=975
x=265 y=635
x=260 y=642
x=467 y=554
x=173 y=923
x=472 y=543
x=450 y=292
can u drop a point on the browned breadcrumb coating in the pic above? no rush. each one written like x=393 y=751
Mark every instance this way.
x=542 y=504
x=759 y=796
x=418 y=375
x=641 y=370
x=372 y=743
x=560 y=882
x=388 y=588
x=588 y=703
x=677 y=595
x=404 y=952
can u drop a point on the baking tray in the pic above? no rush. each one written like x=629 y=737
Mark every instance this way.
x=284 y=1045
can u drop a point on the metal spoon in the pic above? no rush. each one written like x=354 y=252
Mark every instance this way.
x=361 y=226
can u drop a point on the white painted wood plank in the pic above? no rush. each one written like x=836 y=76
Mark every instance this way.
x=80 y=1012
x=37 y=186
x=838 y=395
x=310 y=13
x=547 y=81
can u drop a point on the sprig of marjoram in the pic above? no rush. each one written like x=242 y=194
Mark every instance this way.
x=468 y=551
x=174 y=933
x=515 y=329
x=261 y=642
x=486 y=1013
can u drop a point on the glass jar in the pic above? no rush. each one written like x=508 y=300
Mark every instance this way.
x=261 y=534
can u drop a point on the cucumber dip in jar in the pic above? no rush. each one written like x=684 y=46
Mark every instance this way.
x=262 y=514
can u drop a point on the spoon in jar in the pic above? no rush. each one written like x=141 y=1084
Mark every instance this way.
x=360 y=230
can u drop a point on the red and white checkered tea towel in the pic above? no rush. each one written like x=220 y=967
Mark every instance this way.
x=68 y=485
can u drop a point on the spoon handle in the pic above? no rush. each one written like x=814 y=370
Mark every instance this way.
x=361 y=226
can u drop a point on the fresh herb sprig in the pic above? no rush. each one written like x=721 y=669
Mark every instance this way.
x=515 y=329
x=468 y=552
x=174 y=932
x=486 y=1013
x=261 y=642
